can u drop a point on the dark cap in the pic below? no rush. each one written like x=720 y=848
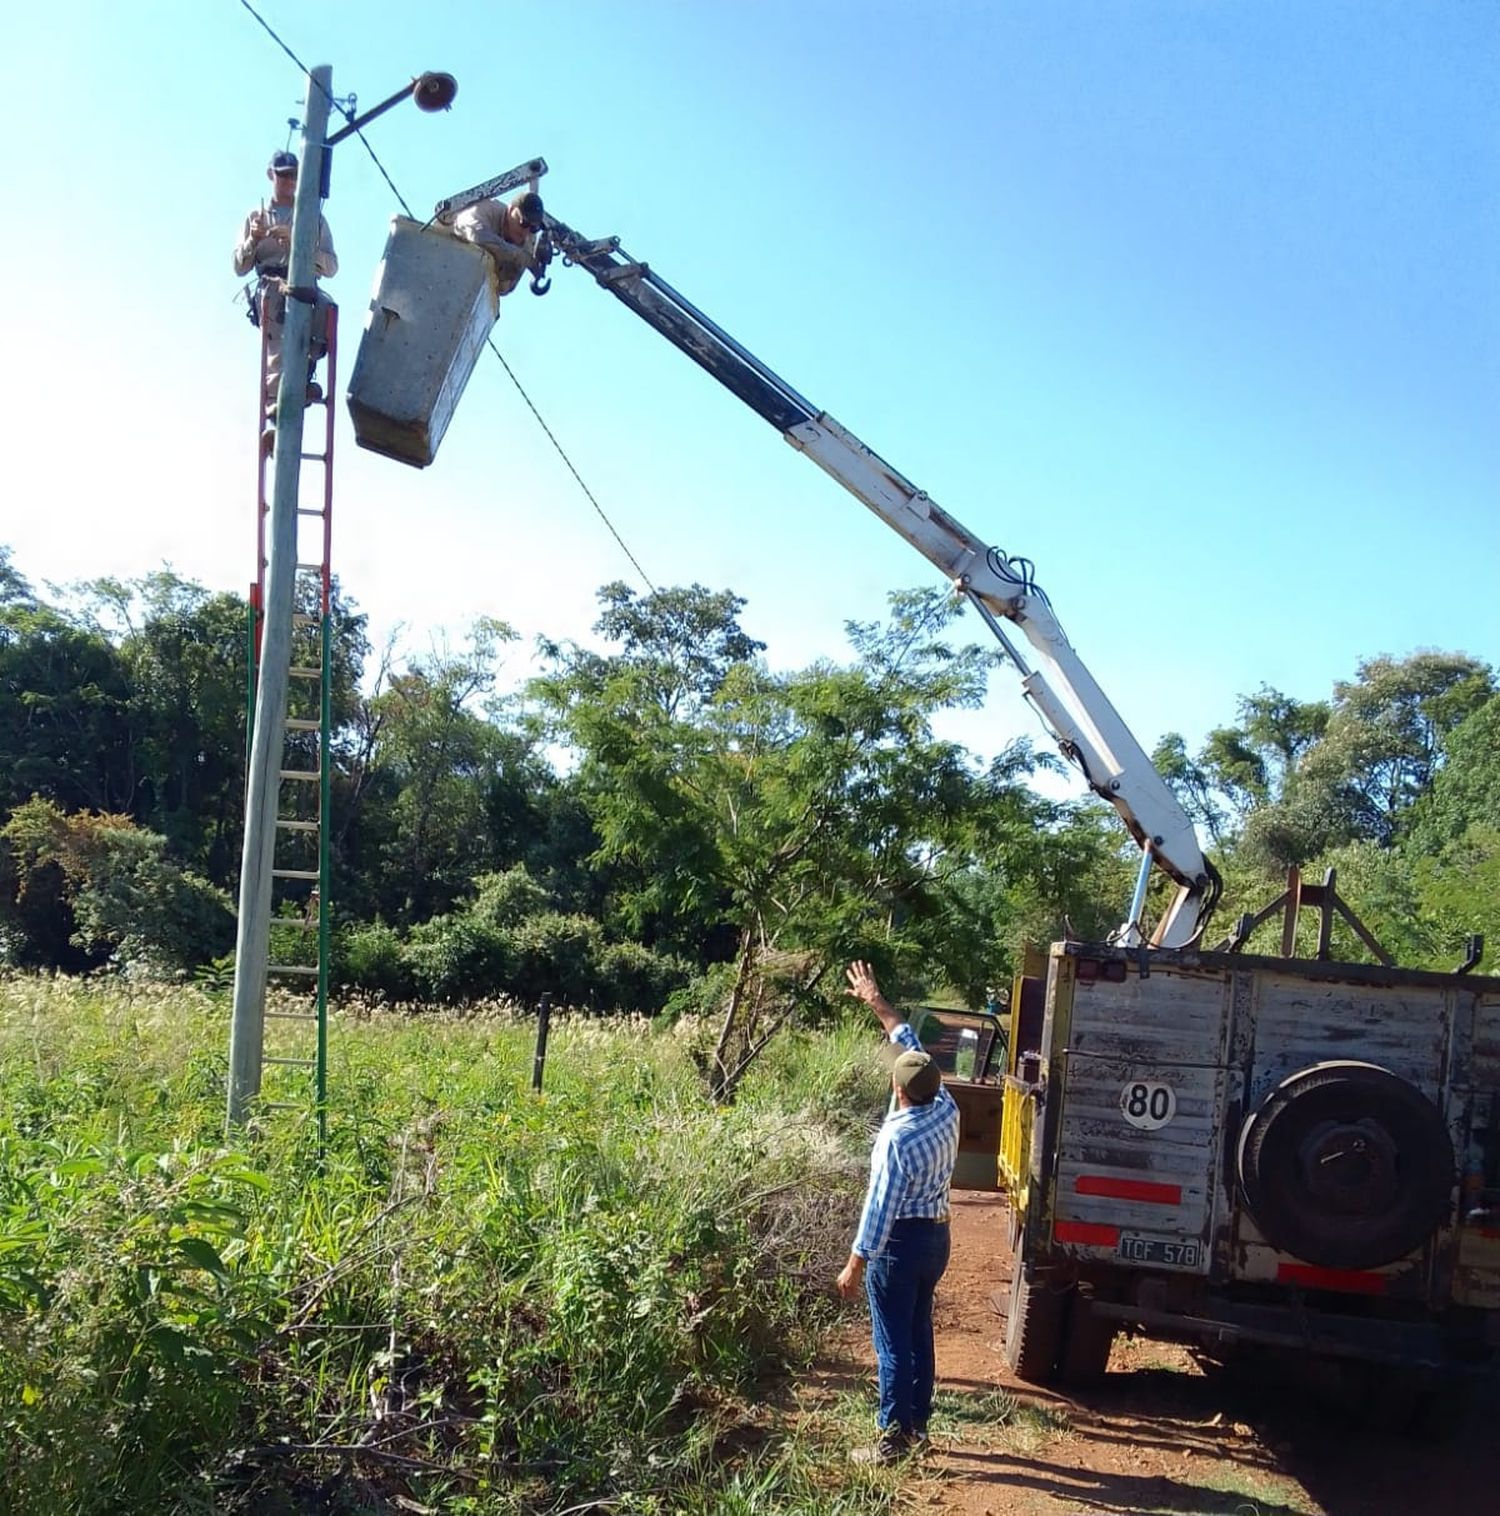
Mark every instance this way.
x=915 y=1074
x=283 y=163
x=530 y=207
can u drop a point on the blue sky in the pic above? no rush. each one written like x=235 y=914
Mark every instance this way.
x=1195 y=304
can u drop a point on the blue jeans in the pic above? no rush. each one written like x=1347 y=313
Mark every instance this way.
x=900 y=1282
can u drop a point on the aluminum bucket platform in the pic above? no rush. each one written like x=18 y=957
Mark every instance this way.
x=434 y=302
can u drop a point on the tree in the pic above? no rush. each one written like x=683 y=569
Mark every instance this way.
x=678 y=643
x=1043 y=870
x=128 y=901
x=812 y=814
x=1192 y=782
x=185 y=654
x=1306 y=778
x=1383 y=743
x=1242 y=779
x=14 y=589
x=36 y=917
x=1465 y=791
x=1279 y=730
x=443 y=758
x=1251 y=763
x=1459 y=889
x=66 y=729
x=676 y=648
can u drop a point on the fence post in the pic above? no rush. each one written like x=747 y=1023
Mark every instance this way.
x=543 y=1018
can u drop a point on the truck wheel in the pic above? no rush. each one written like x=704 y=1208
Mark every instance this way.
x=1033 y=1328
x=1346 y=1166
x=1087 y=1338
x=1015 y=1230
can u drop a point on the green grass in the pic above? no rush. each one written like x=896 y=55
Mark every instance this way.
x=989 y=1415
x=503 y=1301
x=1248 y=1492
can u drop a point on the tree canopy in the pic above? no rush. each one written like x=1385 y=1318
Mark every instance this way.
x=662 y=817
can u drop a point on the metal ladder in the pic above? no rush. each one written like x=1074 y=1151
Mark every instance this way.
x=296 y=1057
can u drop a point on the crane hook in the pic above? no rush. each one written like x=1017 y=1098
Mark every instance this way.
x=540 y=282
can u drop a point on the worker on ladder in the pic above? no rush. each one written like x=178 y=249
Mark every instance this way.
x=265 y=246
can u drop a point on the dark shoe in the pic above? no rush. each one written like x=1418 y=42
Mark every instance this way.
x=268 y=439
x=893 y=1447
x=314 y=392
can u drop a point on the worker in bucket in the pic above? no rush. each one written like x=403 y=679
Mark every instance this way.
x=508 y=233
x=265 y=247
x=901 y=1248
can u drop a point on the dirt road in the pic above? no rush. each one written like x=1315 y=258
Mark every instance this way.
x=1163 y=1434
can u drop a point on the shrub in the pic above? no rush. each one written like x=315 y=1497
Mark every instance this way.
x=370 y=957
x=457 y=958
x=558 y=955
x=636 y=978
x=487 y=950
x=702 y=997
x=507 y=898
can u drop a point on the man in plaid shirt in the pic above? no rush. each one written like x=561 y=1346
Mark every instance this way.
x=901 y=1247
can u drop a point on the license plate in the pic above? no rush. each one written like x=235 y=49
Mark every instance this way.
x=1163 y=1252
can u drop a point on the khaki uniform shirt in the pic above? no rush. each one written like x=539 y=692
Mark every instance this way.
x=267 y=252
x=485 y=224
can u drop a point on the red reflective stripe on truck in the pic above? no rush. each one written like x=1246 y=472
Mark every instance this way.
x=1128 y=1189
x=1355 y=1281
x=1092 y=1234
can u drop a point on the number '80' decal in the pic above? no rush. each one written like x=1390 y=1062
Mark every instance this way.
x=1148 y=1103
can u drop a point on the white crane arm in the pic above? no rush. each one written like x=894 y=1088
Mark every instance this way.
x=1054 y=679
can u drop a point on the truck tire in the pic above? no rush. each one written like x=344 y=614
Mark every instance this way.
x=1086 y=1340
x=1034 y=1327
x=1346 y=1166
x=1015 y=1230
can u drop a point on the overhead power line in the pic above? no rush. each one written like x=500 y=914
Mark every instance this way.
x=567 y=460
x=333 y=103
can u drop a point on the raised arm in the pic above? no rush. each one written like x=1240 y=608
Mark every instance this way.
x=862 y=986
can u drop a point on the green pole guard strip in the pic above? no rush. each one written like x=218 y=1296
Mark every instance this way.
x=325 y=802
x=249 y=682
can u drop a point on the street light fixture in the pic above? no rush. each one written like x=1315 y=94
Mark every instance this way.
x=428 y=92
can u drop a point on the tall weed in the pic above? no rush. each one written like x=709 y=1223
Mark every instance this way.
x=481 y=1297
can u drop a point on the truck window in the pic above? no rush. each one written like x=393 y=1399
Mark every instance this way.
x=965 y=1045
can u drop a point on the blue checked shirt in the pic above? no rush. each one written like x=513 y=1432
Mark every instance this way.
x=911 y=1165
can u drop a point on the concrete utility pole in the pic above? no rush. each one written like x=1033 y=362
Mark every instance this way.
x=253 y=938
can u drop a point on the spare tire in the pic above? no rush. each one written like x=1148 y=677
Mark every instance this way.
x=1347 y=1166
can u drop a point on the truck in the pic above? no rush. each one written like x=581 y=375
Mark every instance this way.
x=1242 y=1151
x=1195 y=1141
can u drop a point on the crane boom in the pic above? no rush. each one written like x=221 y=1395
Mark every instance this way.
x=1054 y=679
